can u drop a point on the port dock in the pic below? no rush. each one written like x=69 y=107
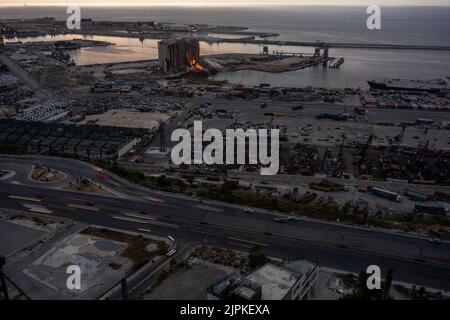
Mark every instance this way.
x=336 y=44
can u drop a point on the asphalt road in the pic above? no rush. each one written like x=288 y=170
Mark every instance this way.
x=331 y=245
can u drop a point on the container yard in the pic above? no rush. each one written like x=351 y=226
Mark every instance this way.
x=338 y=133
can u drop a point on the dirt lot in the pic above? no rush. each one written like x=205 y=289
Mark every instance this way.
x=191 y=282
x=127 y=118
x=137 y=249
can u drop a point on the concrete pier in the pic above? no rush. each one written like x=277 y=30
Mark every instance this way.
x=336 y=44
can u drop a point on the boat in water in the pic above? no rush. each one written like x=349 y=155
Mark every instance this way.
x=435 y=85
x=336 y=64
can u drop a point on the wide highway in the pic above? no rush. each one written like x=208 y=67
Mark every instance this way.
x=189 y=221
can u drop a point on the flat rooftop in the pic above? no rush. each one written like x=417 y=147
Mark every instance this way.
x=275 y=281
x=127 y=119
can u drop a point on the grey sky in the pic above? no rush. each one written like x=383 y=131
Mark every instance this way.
x=228 y=2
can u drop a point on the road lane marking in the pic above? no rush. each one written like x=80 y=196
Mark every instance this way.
x=58 y=207
x=207 y=233
x=140 y=216
x=130 y=219
x=248 y=241
x=162 y=224
x=155 y=199
x=145 y=230
x=26 y=198
x=80 y=206
x=208 y=208
x=38 y=209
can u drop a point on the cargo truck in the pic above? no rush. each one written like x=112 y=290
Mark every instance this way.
x=386 y=194
x=430 y=209
x=414 y=195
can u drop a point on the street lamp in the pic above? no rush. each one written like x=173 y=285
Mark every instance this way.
x=2 y=278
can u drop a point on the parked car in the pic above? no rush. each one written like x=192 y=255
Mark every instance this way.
x=434 y=240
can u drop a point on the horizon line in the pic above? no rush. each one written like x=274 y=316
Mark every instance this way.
x=138 y=5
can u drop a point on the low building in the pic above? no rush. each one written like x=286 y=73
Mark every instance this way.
x=295 y=280
x=84 y=141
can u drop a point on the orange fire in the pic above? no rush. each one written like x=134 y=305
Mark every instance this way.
x=196 y=66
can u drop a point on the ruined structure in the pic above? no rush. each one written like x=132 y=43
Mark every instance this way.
x=179 y=55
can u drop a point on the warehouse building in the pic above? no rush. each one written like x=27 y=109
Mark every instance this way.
x=84 y=141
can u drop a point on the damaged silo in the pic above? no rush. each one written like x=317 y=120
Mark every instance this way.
x=178 y=55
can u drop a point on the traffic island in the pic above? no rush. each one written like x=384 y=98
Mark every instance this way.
x=86 y=185
x=44 y=174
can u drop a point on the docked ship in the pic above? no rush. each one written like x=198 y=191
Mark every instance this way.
x=337 y=63
x=435 y=85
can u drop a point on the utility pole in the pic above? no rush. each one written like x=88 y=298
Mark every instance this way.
x=162 y=136
x=354 y=176
x=124 y=289
x=2 y=279
x=388 y=284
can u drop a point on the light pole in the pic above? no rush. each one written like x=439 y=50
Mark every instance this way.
x=355 y=171
x=2 y=279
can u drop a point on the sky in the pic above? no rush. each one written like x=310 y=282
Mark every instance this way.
x=225 y=2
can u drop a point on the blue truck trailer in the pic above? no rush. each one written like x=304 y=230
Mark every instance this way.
x=414 y=195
